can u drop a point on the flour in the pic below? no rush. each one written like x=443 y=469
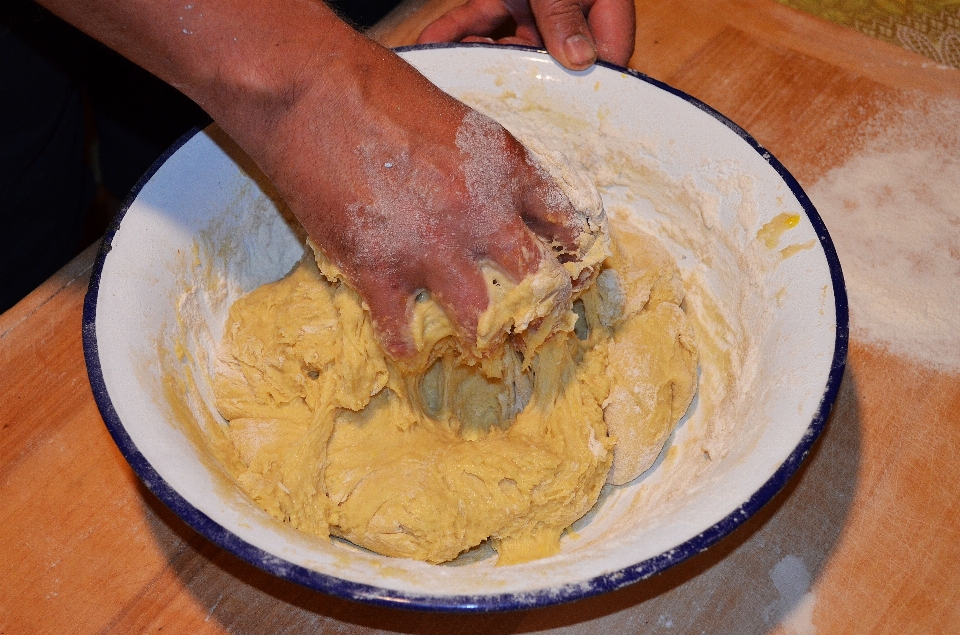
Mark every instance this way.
x=793 y=610
x=486 y=169
x=894 y=214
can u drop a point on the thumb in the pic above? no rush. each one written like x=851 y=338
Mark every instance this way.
x=565 y=32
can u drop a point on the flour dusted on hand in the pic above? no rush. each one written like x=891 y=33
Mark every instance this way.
x=429 y=458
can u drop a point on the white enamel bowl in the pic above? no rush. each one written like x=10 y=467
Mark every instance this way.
x=199 y=231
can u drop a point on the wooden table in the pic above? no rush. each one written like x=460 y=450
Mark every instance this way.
x=872 y=516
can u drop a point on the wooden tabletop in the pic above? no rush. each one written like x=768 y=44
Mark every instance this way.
x=865 y=538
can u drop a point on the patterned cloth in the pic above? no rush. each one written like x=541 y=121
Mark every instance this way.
x=928 y=27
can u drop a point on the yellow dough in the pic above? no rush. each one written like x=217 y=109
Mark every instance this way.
x=576 y=368
x=652 y=365
x=427 y=460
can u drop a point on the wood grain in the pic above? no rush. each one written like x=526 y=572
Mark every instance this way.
x=872 y=516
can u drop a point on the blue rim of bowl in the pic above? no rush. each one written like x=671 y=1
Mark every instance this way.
x=474 y=603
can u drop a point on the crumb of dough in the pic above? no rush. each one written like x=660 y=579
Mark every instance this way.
x=509 y=443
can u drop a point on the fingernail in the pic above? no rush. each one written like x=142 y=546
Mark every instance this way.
x=580 y=51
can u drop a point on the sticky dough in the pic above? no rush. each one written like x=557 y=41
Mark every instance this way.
x=509 y=439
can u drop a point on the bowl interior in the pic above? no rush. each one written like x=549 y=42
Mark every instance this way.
x=766 y=298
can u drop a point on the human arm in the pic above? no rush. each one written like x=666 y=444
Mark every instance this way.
x=402 y=186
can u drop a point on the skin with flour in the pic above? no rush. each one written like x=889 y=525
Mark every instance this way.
x=428 y=457
x=363 y=149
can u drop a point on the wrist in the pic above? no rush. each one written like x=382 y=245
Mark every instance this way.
x=347 y=111
x=263 y=72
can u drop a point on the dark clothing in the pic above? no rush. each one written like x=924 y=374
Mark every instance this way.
x=362 y=13
x=74 y=116
x=45 y=187
x=77 y=119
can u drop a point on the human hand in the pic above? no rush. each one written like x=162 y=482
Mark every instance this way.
x=407 y=189
x=575 y=32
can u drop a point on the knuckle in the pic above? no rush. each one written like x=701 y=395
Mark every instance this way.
x=562 y=13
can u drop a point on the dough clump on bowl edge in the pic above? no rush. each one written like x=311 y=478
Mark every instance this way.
x=578 y=376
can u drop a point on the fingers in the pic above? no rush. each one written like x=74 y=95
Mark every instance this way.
x=547 y=211
x=614 y=25
x=475 y=18
x=390 y=299
x=565 y=32
x=529 y=39
x=527 y=31
x=575 y=32
x=558 y=227
x=457 y=284
x=515 y=250
x=459 y=287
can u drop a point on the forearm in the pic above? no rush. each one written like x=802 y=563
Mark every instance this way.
x=294 y=85
x=245 y=63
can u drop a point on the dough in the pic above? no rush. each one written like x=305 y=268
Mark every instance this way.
x=652 y=366
x=509 y=440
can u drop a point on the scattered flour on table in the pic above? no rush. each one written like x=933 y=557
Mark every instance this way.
x=894 y=213
x=793 y=610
